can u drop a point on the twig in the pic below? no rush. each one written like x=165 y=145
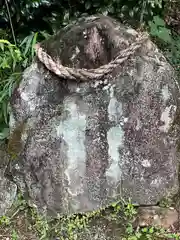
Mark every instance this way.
x=12 y=29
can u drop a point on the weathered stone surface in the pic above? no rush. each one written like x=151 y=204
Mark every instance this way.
x=7 y=188
x=80 y=146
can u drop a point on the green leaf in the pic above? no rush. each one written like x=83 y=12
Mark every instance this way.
x=132 y=238
x=164 y=34
x=5 y=112
x=129 y=229
x=138 y=235
x=144 y=230
x=158 y=29
x=87 y=5
x=2 y=46
x=6 y=42
x=4 y=133
x=5 y=64
x=45 y=34
x=14 y=235
x=151 y=230
x=33 y=44
x=27 y=41
x=159 y=21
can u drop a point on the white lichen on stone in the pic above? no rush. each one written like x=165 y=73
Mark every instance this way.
x=125 y=120
x=72 y=130
x=77 y=51
x=114 y=107
x=138 y=124
x=165 y=93
x=12 y=122
x=132 y=32
x=157 y=181
x=166 y=118
x=115 y=138
x=146 y=163
x=28 y=97
x=78 y=89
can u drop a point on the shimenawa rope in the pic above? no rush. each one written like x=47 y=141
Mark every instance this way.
x=87 y=74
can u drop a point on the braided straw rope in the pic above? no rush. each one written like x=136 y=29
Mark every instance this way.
x=87 y=74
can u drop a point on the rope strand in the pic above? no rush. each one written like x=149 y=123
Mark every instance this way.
x=87 y=74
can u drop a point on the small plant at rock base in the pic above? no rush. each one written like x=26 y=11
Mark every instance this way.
x=14 y=235
x=166 y=202
x=4 y=220
x=40 y=223
x=148 y=233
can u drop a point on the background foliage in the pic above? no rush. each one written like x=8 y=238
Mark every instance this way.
x=23 y=22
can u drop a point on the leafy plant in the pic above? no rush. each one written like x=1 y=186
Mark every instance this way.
x=4 y=220
x=158 y=29
x=10 y=59
x=13 y=60
x=14 y=235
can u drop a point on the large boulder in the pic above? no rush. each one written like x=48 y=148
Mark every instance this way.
x=81 y=145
